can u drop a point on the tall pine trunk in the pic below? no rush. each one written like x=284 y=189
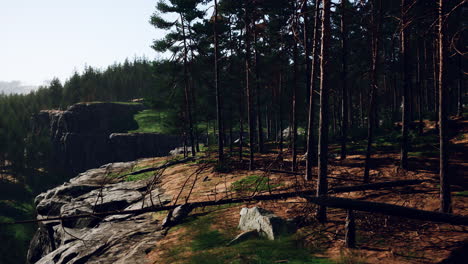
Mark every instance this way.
x=258 y=95
x=405 y=116
x=344 y=88
x=322 y=182
x=445 y=196
x=313 y=74
x=308 y=61
x=218 y=94
x=375 y=31
x=188 y=106
x=247 y=85
x=294 y=109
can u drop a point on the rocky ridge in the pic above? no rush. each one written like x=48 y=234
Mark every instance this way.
x=96 y=240
x=88 y=135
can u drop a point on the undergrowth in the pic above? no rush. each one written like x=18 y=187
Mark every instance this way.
x=208 y=245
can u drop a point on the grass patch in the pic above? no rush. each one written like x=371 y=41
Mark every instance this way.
x=139 y=177
x=208 y=239
x=429 y=153
x=462 y=193
x=150 y=121
x=252 y=183
x=209 y=245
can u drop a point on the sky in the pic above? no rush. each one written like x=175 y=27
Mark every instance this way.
x=43 y=39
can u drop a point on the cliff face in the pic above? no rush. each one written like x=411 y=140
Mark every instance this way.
x=112 y=239
x=88 y=135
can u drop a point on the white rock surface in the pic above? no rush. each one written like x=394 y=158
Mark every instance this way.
x=265 y=222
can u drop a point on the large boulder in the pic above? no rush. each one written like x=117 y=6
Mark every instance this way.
x=265 y=222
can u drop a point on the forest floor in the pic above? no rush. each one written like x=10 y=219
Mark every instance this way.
x=203 y=236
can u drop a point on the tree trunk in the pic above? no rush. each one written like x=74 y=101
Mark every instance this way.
x=344 y=90
x=188 y=107
x=322 y=183
x=280 y=103
x=374 y=84
x=420 y=84
x=247 y=85
x=258 y=96
x=460 y=87
x=294 y=109
x=405 y=117
x=308 y=61
x=313 y=75
x=218 y=93
x=445 y=196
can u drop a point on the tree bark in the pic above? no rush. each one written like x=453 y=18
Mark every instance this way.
x=460 y=87
x=294 y=108
x=258 y=96
x=344 y=88
x=322 y=182
x=406 y=86
x=445 y=195
x=188 y=106
x=375 y=39
x=308 y=61
x=313 y=75
x=219 y=116
x=247 y=85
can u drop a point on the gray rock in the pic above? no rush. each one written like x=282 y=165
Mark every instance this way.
x=287 y=133
x=179 y=151
x=176 y=216
x=265 y=222
x=97 y=240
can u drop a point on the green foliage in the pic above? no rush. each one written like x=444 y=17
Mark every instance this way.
x=18 y=236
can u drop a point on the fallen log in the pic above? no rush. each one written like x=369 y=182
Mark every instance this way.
x=328 y=201
x=390 y=209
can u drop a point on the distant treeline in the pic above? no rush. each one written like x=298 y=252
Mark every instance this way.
x=119 y=82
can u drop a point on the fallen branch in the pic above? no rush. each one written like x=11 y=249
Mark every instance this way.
x=269 y=197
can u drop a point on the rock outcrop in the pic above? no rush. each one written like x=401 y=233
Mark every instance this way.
x=112 y=239
x=88 y=135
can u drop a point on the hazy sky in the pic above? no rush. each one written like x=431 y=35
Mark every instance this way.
x=42 y=39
